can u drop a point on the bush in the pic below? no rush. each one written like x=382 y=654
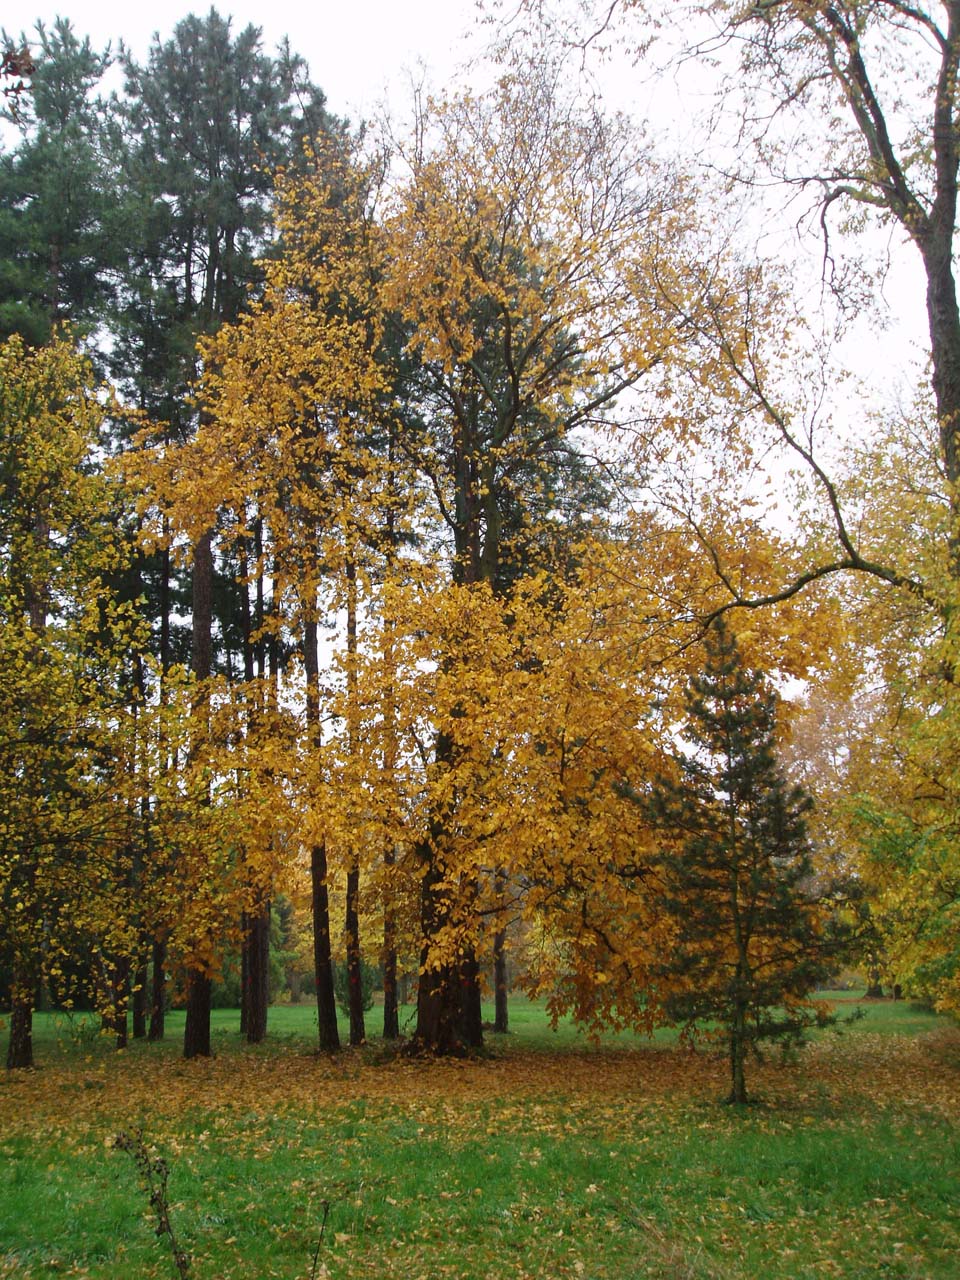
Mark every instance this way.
x=369 y=978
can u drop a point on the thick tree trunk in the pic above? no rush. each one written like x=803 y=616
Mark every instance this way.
x=448 y=993
x=438 y=1012
x=196 y=1034
x=438 y=991
x=322 y=958
x=20 y=1047
x=158 y=991
x=257 y=991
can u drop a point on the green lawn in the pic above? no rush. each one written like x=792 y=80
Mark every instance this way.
x=552 y=1157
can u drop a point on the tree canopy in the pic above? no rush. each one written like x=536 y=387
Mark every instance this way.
x=434 y=508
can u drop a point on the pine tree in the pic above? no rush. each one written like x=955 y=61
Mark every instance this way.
x=58 y=250
x=751 y=933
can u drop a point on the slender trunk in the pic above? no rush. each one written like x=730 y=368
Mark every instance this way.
x=158 y=958
x=201 y=660
x=255 y=946
x=158 y=990
x=352 y=920
x=388 y=960
x=120 y=998
x=257 y=993
x=140 y=983
x=738 y=1048
x=245 y=942
x=20 y=1047
x=388 y=954
x=501 y=1016
x=354 y=967
x=196 y=1036
x=322 y=957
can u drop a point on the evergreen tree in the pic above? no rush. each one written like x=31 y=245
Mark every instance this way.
x=752 y=939
x=57 y=201
x=207 y=122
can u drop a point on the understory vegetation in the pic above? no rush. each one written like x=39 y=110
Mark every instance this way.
x=549 y=1156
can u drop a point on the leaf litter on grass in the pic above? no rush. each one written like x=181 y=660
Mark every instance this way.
x=580 y=1164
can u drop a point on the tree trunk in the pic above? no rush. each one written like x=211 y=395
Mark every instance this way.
x=120 y=998
x=140 y=984
x=352 y=922
x=438 y=990
x=501 y=1016
x=196 y=1034
x=20 y=1047
x=320 y=898
x=471 y=1013
x=158 y=991
x=738 y=1049
x=354 y=967
x=388 y=960
x=257 y=992
x=245 y=943
x=322 y=959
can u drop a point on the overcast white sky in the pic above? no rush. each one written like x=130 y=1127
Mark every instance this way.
x=363 y=52
x=356 y=49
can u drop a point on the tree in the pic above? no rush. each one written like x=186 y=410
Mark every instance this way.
x=58 y=238
x=751 y=940
x=849 y=109
x=518 y=249
x=209 y=119
x=65 y=649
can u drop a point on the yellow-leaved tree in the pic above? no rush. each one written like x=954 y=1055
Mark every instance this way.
x=67 y=650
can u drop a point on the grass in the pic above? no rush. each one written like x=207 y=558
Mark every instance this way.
x=551 y=1158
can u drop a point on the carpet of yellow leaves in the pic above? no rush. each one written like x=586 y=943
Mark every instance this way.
x=892 y=1070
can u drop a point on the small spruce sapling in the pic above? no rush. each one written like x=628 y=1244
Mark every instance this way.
x=753 y=932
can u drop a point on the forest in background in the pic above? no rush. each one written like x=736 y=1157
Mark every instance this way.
x=421 y=567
